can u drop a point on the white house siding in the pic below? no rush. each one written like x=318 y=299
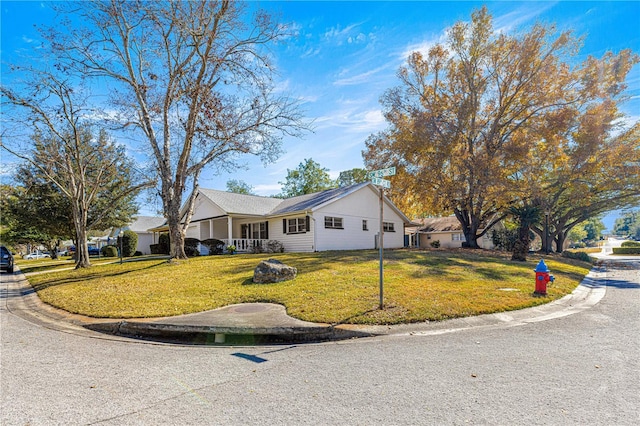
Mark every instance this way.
x=292 y=242
x=447 y=241
x=144 y=242
x=358 y=206
x=205 y=209
x=205 y=229
x=193 y=231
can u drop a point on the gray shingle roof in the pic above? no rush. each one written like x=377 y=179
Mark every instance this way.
x=310 y=201
x=142 y=223
x=263 y=206
x=439 y=224
x=240 y=203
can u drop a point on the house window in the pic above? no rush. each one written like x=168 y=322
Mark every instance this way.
x=256 y=231
x=388 y=227
x=298 y=225
x=457 y=237
x=333 y=222
x=364 y=225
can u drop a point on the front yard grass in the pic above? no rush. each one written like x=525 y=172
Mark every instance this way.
x=65 y=262
x=331 y=287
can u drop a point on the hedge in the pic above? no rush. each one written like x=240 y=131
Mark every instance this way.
x=215 y=246
x=191 y=247
x=109 y=251
x=580 y=255
x=635 y=244
x=626 y=250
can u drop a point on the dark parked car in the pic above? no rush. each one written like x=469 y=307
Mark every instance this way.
x=6 y=259
x=93 y=251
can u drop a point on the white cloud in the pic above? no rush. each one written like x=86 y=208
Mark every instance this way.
x=364 y=77
x=360 y=38
x=424 y=45
x=339 y=34
x=529 y=12
x=310 y=52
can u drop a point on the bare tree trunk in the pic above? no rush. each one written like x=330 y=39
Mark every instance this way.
x=469 y=228
x=521 y=247
x=560 y=238
x=176 y=239
x=82 y=249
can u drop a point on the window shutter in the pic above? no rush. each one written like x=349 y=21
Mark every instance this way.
x=308 y=224
x=284 y=226
x=266 y=230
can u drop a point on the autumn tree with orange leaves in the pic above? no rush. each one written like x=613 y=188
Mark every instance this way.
x=488 y=121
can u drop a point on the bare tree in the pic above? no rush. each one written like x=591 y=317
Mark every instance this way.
x=193 y=77
x=88 y=169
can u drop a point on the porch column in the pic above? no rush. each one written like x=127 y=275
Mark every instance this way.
x=229 y=228
x=210 y=228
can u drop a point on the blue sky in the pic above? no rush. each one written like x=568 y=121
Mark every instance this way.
x=346 y=55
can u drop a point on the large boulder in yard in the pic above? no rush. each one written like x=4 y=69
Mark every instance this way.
x=273 y=271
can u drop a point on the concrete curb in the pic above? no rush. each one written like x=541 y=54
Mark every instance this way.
x=268 y=323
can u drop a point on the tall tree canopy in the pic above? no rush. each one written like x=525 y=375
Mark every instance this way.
x=351 y=177
x=488 y=121
x=628 y=224
x=308 y=178
x=85 y=165
x=193 y=78
x=239 y=187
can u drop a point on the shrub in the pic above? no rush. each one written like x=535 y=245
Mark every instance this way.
x=156 y=249
x=626 y=250
x=579 y=255
x=435 y=244
x=257 y=248
x=631 y=244
x=504 y=239
x=129 y=243
x=109 y=251
x=191 y=247
x=164 y=243
x=137 y=253
x=215 y=246
x=275 y=246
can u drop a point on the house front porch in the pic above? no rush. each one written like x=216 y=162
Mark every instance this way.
x=245 y=233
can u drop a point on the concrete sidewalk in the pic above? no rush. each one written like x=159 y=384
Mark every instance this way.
x=261 y=323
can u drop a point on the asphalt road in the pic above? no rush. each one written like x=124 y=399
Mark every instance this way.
x=581 y=369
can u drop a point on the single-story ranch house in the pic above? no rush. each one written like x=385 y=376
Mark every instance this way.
x=447 y=231
x=142 y=226
x=337 y=219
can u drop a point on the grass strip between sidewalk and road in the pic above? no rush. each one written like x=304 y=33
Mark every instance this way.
x=331 y=287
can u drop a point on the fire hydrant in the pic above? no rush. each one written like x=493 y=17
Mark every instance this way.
x=542 y=278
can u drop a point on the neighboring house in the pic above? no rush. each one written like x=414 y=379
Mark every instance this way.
x=141 y=226
x=446 y=230
x=337 y=219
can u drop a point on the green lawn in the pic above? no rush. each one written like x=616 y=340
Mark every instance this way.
x=331 y=287
x=65 y=262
